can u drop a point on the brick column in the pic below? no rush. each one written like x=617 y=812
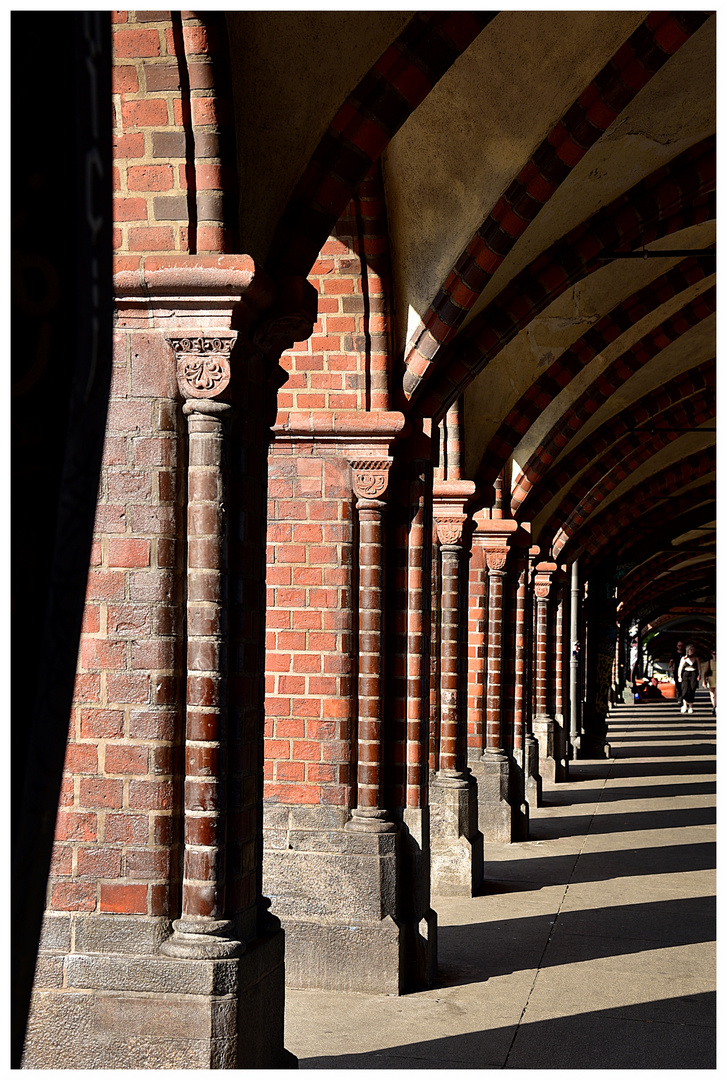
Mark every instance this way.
x=457 y=851
x=496 y=807
x=452 y=764
x=370 y=481
x=203 y=372
x=544 y=727
x=434 y=713
x=560 y=676
x=496 y=560
x=520 y=733
x=476 y=652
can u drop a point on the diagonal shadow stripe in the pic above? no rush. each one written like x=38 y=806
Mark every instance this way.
x=603 y=865
x=475 y=952
x=602 y=824
x=619 y=794
x=669 y=1033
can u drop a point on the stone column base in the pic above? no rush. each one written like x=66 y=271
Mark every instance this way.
x=544 y=730
x=335 y=891
x=531 y=769
x=362 y=956
x=133 y=1008
x=495 y=811
x=457 y=843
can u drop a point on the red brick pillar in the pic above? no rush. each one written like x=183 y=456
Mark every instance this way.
x=493 y=773
x=476 y=652
x=370 y=481
x=543 y=722
x=457 y=851
x=452 y=764
x=560 y=672
x=203 y=372
x=519 y=726
x=434 y=714
x=524 y=745
x=496 y=560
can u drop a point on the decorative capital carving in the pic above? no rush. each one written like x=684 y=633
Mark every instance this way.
x=203 y=363
x=371 y=478
x=542 y=586
x=449 y=529
x=496 y=558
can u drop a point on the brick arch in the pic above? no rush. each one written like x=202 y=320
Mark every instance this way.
x=672 y=198
x=678 y=617
x=660 y=586
x=558 y=476
x=670 y=593
x=608 y=382
x=362 y=128
x=621 y=515
x=615 y=466
x=688 y=512
x=658 y=38
x=632 y=583
x=547 y=387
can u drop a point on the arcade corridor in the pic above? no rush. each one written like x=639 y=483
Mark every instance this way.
x=590 y=946
x=406 y=485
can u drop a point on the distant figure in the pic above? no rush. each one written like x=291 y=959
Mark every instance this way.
x=690 y=673
x=676 y=659
x=710 y=680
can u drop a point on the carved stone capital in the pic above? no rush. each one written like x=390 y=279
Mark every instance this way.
x=203 y=363
x=450 y=529
x=371 y=478
x=542 y=586
x=496 y=558
x=544 y=579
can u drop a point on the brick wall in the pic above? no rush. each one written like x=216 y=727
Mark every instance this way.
x=310 y=679
x=171 y=134
x=117 y=838
x=345 y=364
x=311 y=587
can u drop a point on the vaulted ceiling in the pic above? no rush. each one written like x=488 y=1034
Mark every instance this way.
x=551 y=148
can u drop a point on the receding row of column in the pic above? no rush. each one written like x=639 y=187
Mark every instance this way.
x=513 y=733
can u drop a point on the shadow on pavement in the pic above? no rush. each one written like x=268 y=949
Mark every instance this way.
x=476 y=952
x=541 y=870
x=643 y=820
x=620 y=794
x=672 y=1033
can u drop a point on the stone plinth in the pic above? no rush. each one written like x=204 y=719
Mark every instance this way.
x=186 y=1014
x=335 y=893
x=457 y=844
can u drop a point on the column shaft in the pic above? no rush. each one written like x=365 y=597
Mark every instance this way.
x=494 y=659
x=451 y=756
x=541 y=656
x=370 y=654
x=202 y=930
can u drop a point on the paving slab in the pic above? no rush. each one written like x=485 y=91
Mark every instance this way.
x=590 y=946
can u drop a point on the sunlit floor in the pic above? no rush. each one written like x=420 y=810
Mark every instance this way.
x=592 y=945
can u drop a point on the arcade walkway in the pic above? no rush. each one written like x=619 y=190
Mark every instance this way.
x=592 y=945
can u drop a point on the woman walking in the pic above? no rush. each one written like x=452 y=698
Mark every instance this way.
x=690 y=673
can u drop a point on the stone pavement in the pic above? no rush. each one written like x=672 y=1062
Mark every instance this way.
x=591 y=946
